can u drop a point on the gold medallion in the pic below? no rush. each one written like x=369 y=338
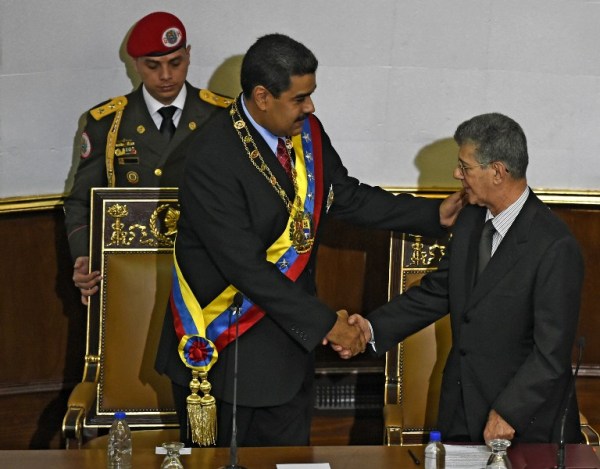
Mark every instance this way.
x=192 y=125
x=301 y=232
x=133 y=177
x=141 y=129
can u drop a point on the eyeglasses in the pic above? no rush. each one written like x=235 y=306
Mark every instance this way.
x=463 y=168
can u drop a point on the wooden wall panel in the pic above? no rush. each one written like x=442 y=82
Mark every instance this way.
x=42 y=328
x=40 y=310
x=585 y=225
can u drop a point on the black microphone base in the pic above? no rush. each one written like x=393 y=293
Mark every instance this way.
x=232 y=466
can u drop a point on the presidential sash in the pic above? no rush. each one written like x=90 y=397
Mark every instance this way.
x=204 y=332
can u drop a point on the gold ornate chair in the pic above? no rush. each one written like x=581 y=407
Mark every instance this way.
x=132 y=236
x=590 y=435
x=414 y=368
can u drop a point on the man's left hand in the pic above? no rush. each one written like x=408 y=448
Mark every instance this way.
x=497 y=428
x=451 y=206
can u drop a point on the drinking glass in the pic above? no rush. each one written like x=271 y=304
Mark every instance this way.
x=498 y=459
x=171 y=460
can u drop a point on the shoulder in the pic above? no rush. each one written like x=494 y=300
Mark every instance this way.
x=214 y=99
x=108 y=107
x=215 y=131
x=545 y=221
x=207 y=97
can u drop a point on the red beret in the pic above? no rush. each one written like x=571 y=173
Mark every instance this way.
x=158 y=33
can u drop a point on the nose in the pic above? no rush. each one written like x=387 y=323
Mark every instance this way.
x=309 y=106
x=165 y=72
x=457 y=174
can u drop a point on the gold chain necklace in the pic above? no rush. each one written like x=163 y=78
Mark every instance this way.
x=259 y=163
x=301 y=224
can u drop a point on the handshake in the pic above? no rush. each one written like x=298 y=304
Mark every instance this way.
x=349 y=335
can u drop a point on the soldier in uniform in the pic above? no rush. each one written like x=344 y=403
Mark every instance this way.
x=129 y=141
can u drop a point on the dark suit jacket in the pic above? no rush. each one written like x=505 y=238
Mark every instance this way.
x=512 y=331
x=230 y=215
x=146 y=152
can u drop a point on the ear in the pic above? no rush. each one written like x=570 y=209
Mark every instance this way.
x=500 y=171
x=261 y=96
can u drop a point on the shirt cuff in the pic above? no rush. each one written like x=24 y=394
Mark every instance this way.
x=372 y=341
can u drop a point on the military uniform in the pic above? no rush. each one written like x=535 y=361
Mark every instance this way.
x=137 y=155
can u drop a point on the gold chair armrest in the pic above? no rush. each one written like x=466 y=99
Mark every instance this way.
x=393 y=424
x=590 y=435
x=80 y=402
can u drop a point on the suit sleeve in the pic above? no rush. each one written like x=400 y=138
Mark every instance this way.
x=90 y=173
x=415 y=309
x=556 y=301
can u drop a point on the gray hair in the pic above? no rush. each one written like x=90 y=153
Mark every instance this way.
x=497 y=138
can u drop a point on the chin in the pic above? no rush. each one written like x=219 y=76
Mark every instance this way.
x=473 y=200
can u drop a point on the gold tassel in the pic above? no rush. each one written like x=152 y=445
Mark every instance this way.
x=202 y=411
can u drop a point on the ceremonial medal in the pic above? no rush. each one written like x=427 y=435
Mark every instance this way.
x=301 y=232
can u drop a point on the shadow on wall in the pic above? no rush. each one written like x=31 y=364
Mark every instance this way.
x=436 y=163
x=225 y=80
x=127 y=60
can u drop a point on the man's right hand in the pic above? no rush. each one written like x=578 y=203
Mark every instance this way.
x=86 y=281
x=363 y=324
x=451 y=207
x=345 y=335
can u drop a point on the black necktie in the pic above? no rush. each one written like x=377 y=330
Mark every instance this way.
x=485 y=246
x=167 y=126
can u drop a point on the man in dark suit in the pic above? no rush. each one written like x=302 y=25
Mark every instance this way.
x=126 y=141
x=259 y=183
x=513 y=319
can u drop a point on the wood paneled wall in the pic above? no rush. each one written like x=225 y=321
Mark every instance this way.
x=42 y=329
x=42 y=322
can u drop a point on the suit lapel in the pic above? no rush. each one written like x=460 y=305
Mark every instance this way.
x=156 y=142
x=509 y=251
x=142 y=119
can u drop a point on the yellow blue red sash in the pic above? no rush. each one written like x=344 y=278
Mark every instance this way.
x=204 y=332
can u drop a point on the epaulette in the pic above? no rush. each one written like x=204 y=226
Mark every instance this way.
x=108 y=108
x=215 y=99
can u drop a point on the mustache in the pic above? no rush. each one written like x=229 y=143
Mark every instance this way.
x=301 y=118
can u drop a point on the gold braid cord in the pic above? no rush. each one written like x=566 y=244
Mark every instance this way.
x=111 y=140
x=202 y=411
x=116 y=105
